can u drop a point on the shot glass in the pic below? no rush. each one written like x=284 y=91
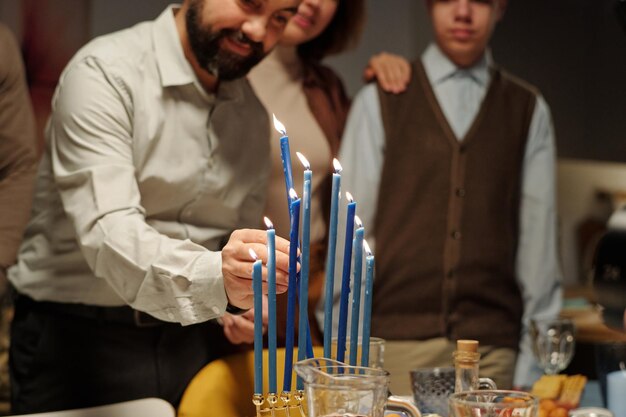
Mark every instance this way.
x=431 y=389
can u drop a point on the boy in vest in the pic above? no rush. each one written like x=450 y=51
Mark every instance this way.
x=455 y=185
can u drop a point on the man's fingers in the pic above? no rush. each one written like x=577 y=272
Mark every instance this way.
x=237 y=265
x=227 y=319
x=232 y=336
x=241 y=241
x=243 y=286
x=282 y=245
x=249 y=235
x=281 y=288
x=244 y=326
x=240 y=331
x=265 y=311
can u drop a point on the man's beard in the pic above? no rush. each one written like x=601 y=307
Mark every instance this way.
x=206 y=48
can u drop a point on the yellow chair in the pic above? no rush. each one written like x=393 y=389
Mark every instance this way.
x=224 y=387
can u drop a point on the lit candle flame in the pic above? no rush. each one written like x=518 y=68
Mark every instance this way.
x=349 y=197
x=304 y=161
x=268 y=223
x=367 y=249
x=253 y=254
x=293 y=194
x=358 y=222
x=279 y=126
x=337 y=166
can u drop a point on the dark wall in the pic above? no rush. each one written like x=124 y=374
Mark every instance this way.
x=111 y=15
x=575 y=52
x=398 y=26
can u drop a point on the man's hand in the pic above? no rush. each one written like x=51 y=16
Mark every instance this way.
x=237 y=265
x=392 y=72
x=240 y=329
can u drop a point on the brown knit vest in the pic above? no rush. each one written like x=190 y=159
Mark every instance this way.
x=448 y=212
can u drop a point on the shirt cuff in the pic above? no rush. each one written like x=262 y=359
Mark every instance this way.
x=527 y=372
x=206 y=299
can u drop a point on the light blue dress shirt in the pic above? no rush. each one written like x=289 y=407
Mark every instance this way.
x=460 y=93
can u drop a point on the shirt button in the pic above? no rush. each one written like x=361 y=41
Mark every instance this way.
x=460 y=192
x=216 y=310
x=456 y=235
x=170 y=316
x=450 y=273
x=462 y=149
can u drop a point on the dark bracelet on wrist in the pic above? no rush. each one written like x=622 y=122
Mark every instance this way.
x=234 y=310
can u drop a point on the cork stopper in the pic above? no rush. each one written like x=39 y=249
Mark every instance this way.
x=465 y=345
x=466 y=355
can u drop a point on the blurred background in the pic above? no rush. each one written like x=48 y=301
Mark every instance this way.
x=573 y=50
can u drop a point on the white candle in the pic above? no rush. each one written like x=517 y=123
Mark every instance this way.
x=616 y=392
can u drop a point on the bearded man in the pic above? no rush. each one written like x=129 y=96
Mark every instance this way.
x=147 y=199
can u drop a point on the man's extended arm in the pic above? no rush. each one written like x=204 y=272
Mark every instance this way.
x=92 y=150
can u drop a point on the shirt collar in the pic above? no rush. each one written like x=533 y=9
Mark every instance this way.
x=439 y=67
x=174 y=67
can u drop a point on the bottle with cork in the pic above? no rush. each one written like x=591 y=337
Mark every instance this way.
x=466 y=363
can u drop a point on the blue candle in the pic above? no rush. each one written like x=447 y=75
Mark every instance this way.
x=287 y=171
x=271 y=303
x=257 y=287
x=309 y=343
x=345 y=280
x=285 y=156
x=291 y=291
x=367 y=305
x=304 y=268
x=330 y=258
x=305 y=255
x=356 y=289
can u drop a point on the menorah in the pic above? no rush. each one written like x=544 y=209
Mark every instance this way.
x=291 y=403
x=287 y=404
